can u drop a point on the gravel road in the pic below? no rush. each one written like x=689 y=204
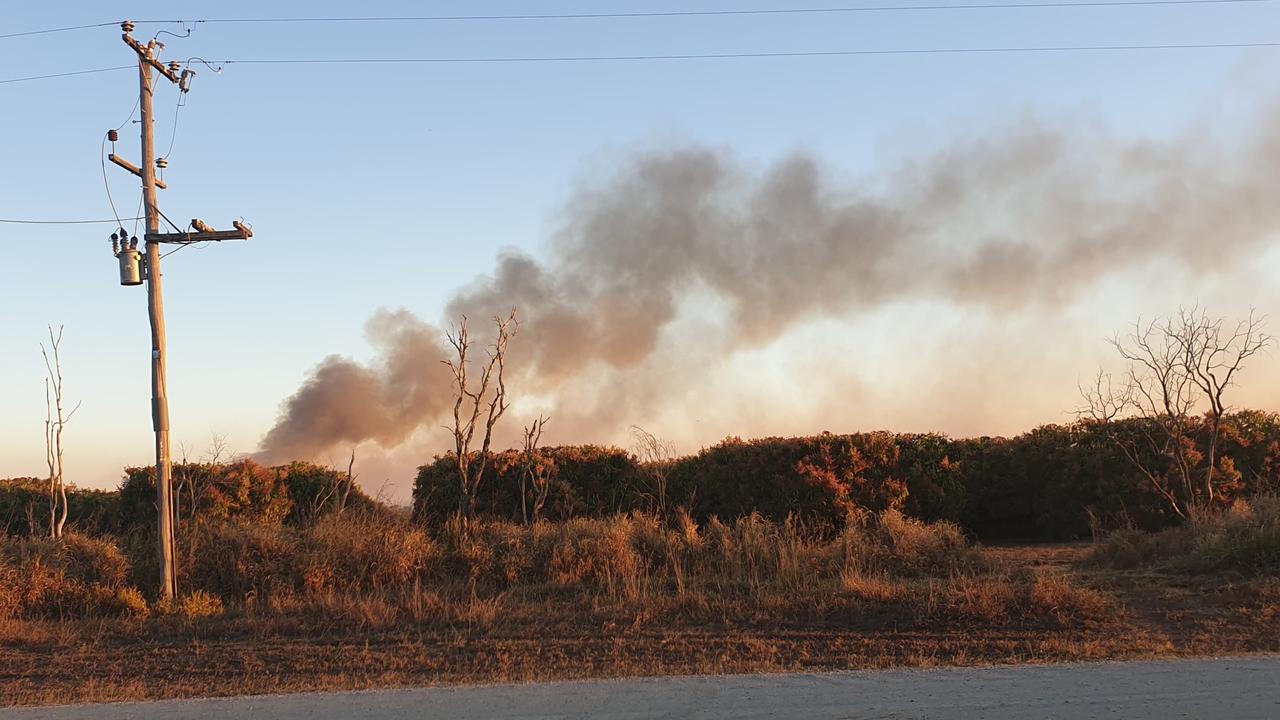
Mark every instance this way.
x=1237 y=688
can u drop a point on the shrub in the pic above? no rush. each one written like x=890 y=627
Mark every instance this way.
x=242 y=490
x=585 y=480
x=892 y=542
x=362 y=552
x=1055 y=482
x=76 y=577
x=237 y=560
x=24 y=509
x=316 y=490
x=1244 y=538
x=195 y=605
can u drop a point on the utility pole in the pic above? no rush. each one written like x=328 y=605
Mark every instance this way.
x=133 y=269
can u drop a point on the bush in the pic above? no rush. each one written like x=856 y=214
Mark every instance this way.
x=1056 y=482
x=237 y=560
x=24 y=509
x=1245 y=538
x=242 y=490
x=195 y=605
x=893 y=543
x=315 y=491
x=76 y=577
x=363 y=552
x=586 y=480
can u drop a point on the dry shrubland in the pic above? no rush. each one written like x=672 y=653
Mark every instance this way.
x=1244 y=539
x=380 y=569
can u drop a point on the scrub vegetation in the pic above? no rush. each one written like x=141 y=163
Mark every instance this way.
x=282 y=589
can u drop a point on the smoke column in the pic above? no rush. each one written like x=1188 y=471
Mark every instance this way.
x=1023 y=217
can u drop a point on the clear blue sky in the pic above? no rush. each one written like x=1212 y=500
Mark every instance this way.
x=389 y=186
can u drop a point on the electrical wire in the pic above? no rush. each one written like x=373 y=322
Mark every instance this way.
x=694 y=56
x=174 y=135
x=66 y=74
x=55 y=30
x=138 y=213
x=65 y=222
x=715 y=13
x=744 y=55
x=645 y=14
x=106 y=182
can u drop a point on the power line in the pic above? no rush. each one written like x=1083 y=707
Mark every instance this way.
x=55 y=30
x=715 y=13
x=656 y=14
x=694 y=56
x=742 y=55
x=65 y=222
x=68 y=74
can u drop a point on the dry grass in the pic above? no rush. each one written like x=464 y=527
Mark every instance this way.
x=1245 y=539
x=374 y=600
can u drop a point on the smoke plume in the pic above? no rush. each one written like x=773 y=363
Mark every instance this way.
x=610 y=321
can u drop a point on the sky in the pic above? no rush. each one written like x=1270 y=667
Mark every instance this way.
x=393 y=186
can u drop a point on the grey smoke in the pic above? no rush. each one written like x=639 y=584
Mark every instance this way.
x=1023 y=217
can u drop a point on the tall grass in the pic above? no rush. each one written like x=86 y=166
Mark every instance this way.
x=1244 y=539
x=377 y=569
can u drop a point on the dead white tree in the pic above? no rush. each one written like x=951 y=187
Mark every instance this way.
x=535 y=476
x=487 y=394
x=55 y=421
x=655 y=459
x=1173 y=365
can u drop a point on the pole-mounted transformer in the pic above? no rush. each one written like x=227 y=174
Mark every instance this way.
x=126 y=251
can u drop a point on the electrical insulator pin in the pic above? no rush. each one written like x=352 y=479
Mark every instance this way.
x=174 y=66
x=113 y=135
x=127 y=26
x=162 y=162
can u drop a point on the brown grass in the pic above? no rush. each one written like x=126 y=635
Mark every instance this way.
x=372 y=600
x=1244 y=539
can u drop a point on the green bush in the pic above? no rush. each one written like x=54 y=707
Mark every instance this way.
x=24 y=509
x=242 y=490
x=1056 y=482
x=315 y=490
x=586 y=480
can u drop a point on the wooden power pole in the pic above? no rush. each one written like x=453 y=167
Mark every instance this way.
x=150 y=270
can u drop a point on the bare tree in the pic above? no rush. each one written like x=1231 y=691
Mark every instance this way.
x=195 y=479
x=348 y=482
x=55 y=422
x=488 y=394
x=655 y=458
x=1212 y=355
x=339 y=490
x=1172 y=366
x=535 y=476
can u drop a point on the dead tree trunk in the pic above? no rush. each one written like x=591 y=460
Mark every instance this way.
x=536 y=474
x=54 y=423
x=489 y=395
